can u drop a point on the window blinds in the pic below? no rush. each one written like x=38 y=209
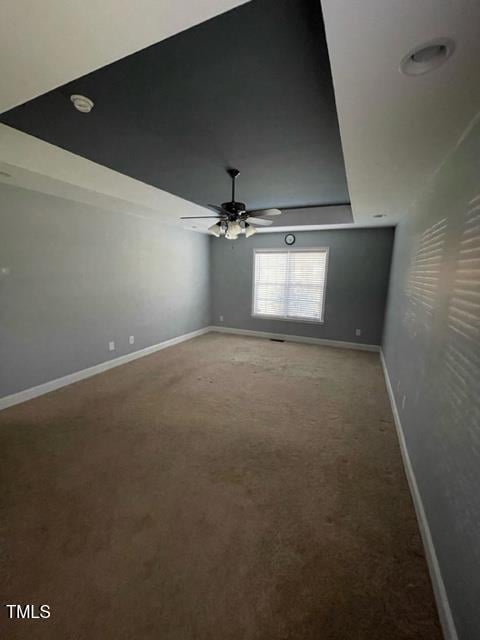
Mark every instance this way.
x=290 y=284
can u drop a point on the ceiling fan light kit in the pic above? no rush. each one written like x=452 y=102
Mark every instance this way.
x=233 y=230
x=215 y=230
x=249 y=230
x=233 y=216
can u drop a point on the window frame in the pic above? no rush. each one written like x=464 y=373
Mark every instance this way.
x=263 y=316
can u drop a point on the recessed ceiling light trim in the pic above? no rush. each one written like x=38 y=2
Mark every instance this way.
x=427 y=57
x=81 y=103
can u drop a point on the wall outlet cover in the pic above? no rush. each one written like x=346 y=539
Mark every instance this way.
x=358 y=332
x=221 y=318
x=131 y=340
x=111 y=345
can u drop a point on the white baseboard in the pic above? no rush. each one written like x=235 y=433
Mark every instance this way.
x=288 y=338
x=443 y=605
x=41 y=389
x=51 y=385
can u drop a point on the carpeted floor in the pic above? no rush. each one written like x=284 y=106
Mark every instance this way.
x=227 y=488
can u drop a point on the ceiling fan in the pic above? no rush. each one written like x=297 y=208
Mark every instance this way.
x=233 y=217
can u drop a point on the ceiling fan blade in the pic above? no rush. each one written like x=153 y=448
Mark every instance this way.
x=266 y=212
x=199 y=217
x=214 y=207
x=261 y=222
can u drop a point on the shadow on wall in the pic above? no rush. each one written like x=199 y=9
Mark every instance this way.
x=432 y=352
x=461 y=371
x=461 y=365
x=424 y=276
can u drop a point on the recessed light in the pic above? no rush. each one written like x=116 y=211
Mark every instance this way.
x=427 y=57
x=81 y=103
x=4 y=174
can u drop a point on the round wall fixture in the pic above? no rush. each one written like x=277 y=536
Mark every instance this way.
x=427 y=57
x=82 y=103
x=290 y=239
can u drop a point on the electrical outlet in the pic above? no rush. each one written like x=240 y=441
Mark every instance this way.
x=358 y=332
x=221 y=318
x=111 y=345
x=404 y=399
x=131 y=340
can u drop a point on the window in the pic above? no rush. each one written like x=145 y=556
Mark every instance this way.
x=290 y=284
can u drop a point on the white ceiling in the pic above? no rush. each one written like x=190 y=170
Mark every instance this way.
x=396 y=130
x=38 y=166
x=43 y=45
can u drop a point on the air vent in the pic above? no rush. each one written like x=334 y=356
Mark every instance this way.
x=427 y=57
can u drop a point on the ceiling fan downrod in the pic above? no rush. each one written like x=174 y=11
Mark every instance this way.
x=233 y=173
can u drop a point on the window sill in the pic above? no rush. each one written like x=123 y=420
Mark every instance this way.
x=286 y=319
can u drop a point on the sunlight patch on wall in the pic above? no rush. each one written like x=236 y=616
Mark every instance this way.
x=464 y=307
x=424 y=275
x=461 y=365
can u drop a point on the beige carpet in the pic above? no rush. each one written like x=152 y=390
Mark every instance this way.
x=227 y=488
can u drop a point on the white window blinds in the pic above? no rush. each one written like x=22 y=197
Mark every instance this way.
x=290 y=284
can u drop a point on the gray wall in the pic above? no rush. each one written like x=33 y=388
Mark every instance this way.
x=432 y=351
x=81 y=276
x=357 y=283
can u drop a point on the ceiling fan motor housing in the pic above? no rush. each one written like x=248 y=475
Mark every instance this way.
x=234 y=208
x=232 y=216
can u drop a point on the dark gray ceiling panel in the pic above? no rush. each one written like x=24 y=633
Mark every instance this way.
x=250 y=88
